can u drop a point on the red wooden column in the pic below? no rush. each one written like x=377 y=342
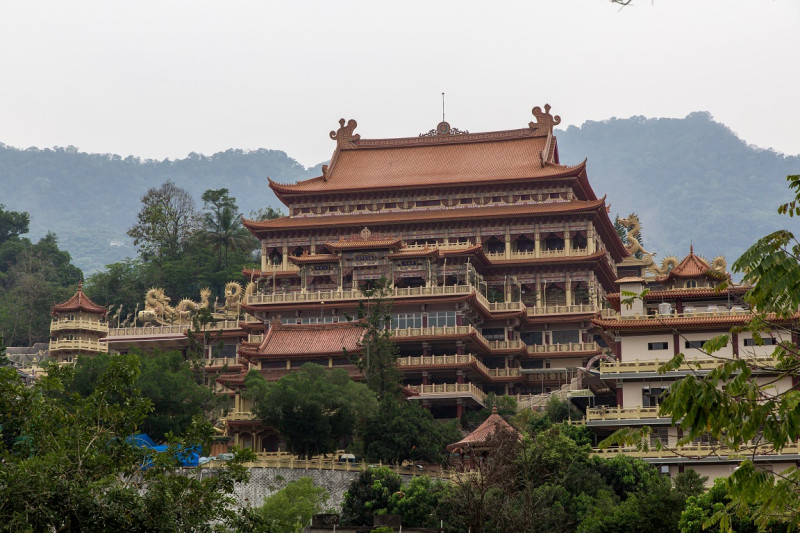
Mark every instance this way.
x=459 y=408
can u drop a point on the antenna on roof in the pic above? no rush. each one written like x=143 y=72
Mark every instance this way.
x=443 y=107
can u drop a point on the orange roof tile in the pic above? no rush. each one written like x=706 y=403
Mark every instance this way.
x=465 y=213
x=314 y=258
x=419 y=161
x=671 y=294
x=306 y=339
x=692 y=266
x=482 y=434
x=364 y=244
x=79 y=302
x=670 y=323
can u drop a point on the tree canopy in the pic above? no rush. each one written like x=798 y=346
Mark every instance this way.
x=315 y=409
x=68 y=465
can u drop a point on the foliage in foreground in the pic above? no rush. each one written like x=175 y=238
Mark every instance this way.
x=68 y=467
x=315 y=409
x=291 y=508
x=736 y=408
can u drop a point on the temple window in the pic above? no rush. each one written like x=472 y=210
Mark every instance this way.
x=405 y=283
x=494 y=295
x=495 y=246
x=361 y=207
x=579 y=241
x=555 y=295
x=429 y=203
x=524 y=244
x=691 y=284
x=566 y=336
x=553 y=243
x=407 y=320
x=390 y=205
x=580 y=294
x=652 y=396
x=532 y=338
x=465 y=201
x=297 y=252
x=442 y=319
x=275 y=258
x=494 y=334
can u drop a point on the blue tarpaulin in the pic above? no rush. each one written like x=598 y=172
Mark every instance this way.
x=188 y=457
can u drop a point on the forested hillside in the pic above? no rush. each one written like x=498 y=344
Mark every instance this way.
x=689 y=179
x=91 y=200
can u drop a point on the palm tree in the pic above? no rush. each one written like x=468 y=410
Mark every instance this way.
x=224 y=231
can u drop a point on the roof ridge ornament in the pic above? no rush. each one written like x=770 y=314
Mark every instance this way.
x=344 y=136
x=544 y=120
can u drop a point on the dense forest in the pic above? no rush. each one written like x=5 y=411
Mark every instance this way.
x=689 y=179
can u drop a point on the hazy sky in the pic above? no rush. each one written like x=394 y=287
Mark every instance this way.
x=161 y=79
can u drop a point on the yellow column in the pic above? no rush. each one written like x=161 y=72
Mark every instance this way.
x=285 y=261
x=590 y=245
x=567 y=243
x=508 y=244
x=263 y=255
x=537 y=245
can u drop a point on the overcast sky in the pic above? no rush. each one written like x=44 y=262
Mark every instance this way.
x=162 y=79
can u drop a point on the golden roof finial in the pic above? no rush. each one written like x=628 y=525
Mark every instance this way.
x=344 y=136
x=544 y=120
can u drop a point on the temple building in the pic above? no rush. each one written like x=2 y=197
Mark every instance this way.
x=682 y=309
x=78 y=328
x=497 y=257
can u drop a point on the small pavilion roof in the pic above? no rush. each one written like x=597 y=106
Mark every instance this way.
x=79 y=302
x=310 y=339
x=481 y=435
x=692 y=266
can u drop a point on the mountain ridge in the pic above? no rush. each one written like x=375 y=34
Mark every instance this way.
x=690 y=180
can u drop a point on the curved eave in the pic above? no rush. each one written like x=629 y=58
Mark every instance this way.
x=262 y=229
x=285 y=191
x=666 y=323
x=560 y=319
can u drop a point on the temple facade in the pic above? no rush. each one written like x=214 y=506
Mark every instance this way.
x=78 y=328
x=682 y=309
x=496 y=255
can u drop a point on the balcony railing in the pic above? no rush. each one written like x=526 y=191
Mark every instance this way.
x=561 y=309
x=240 y=415
x=78 y=344
x=78 y=324
x=220 y=361
x=255 y=338
x=175 y=329
x=503 y=372
x=449 y=390
x=720 y=311
x=400 y=333
x=440 y=245
x=621 y=413
x=436 y=360
x=607 y=367
x=695 y=451
x=271 y=267
x=563 y=348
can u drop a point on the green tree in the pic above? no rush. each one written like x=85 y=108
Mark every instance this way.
x=731 y=405
x=165 y=379
x=13 y=224
x=165 y=222
x=418 y=501
x=291 y=508
x=67 y=465
x=314 y=409
x=377 y=359
x=266 y=213
x=404 y=431
x=369 y=494
x=222 y=225
x=697 y=516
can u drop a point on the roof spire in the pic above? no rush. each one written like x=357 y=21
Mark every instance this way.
x=443 y=120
